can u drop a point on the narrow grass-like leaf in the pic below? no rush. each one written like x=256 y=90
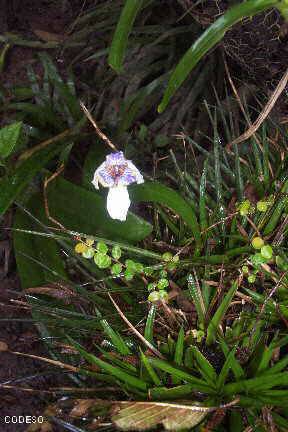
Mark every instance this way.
x=115 y=338
x=120 y=38
x=204 y=366
x=219 y=314
x=148 y=332
x=202 y=199
x=155 y=378
x=208 y=40
x=172 y=393
x=225 y=370
x=179 y=348
x=156 y=192
x=114 y=371
x=279 y=205
x=257 y=385
x=196 y=295
x=178 y=373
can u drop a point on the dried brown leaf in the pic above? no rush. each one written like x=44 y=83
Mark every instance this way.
x=141 y=416
x=3 y=346
x=48 y=36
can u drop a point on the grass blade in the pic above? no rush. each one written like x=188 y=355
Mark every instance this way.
x=120 y=38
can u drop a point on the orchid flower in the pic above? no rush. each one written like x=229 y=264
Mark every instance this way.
x=117 y=173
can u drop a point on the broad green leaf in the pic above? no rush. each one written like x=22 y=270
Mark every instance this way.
x=38 y=259
x=208 y=40
x=9 y=136
x=85 y=211
x=140 y=416
x=156 y=192
x=120 y=38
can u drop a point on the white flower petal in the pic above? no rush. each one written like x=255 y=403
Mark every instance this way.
x=118 y=202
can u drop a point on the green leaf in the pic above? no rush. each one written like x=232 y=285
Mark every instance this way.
x=120 y=38
x=116 y=269
x=102 y=261
x=156 y=192
x=202 y=199
x=85 y=211
x=219 y=314
x=178 y=373
x=225 y=370
x=150 y=369
x=196 y=295
x=208 y=40
x=116 y=252
x=38 y=258
x=179 y=348
x=115 y=338
x=9 y=136
x=102 y=248
x=257 y=385
x=148 y=332
x=11 y=186
x=204 y=366
x=111 y=370
x=171 y=393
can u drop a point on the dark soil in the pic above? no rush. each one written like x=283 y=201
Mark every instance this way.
x=20 y=335
x=17 y=329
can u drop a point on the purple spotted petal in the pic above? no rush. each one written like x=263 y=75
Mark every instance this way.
x=106 y=178
x=127 y=177
x=115 y=159
x=116 y=171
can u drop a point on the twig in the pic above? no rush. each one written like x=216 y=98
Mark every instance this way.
x=26 y=154
x=47 y=360
x=46 y=205
x=98 y=130
x=264 y=114
x=135 y=331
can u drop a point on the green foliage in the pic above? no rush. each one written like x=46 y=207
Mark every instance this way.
x=199 y=48
x=120 y=38
x=199 y=278
x=9 y=136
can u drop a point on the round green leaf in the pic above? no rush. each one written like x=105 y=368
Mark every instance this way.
x=116 y=269
x=102 y=247
x=116 y=252
x=267 y=252
x=257 y=242
x=102 y=261
x=88 y=253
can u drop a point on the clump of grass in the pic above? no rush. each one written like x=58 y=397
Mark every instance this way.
x=200 y=318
